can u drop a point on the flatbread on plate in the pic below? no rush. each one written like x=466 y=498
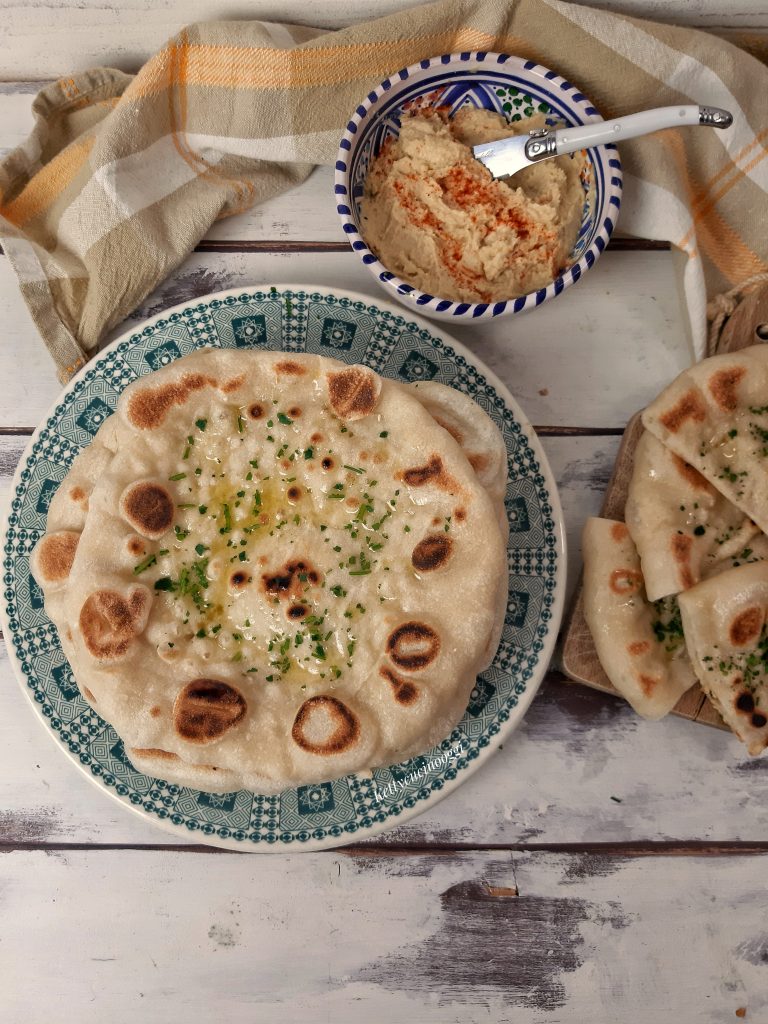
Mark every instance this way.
x=288 y=571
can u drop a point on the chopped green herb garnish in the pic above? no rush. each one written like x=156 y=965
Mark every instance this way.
x=178 y=476
x=226 y=528
x=144 y=564
x=283 y=419
x=201 y=424
x=354 y=469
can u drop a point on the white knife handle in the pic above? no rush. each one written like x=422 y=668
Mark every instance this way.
x=545 y=143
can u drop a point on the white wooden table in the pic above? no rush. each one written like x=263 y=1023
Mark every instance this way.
x=598 y=868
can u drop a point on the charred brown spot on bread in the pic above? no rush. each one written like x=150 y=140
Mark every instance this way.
x=291 y=368
x=297 y=611
x=136 y=546
x=109 y=622
x=648 y=684
x=78 y=495
x=478 y=462
x=746 y=627
x=149 y=508
x=55 y=555
x=232 y=385
x=619 y=532
x=291 y=580
x=460 y=514
x=316 y=437
x=323 y=725
x=744 y=701
x=413 y=646
x=625 y=581
x=759 y=720
x=432 y=552
x=405 y=692
x=680 y=546
x=433 y=472
x=327 y=462
x=155 y=711
x=294 y=412
x=88 y=695
x=256 y=411
x=638 y=647
x=294 y=493
x=239 y=579
x=691 y=475
x=148 y=407
x=723 y=384
x=353 y=392
x=206 y=709
x=688 y=407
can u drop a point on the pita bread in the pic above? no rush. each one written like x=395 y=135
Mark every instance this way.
x=640 y=645
x=263 y=592
x=725 y=630
x=715 y=417
x=683 y=527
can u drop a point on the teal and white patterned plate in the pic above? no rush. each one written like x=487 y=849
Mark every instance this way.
x=352 y=328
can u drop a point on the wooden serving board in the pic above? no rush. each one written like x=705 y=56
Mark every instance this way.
x=747 y=325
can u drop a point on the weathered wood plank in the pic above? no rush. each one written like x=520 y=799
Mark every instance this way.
x=452 y=938
x=591 y=357
x=93 y=34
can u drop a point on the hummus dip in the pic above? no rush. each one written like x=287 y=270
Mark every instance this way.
x=435 y=216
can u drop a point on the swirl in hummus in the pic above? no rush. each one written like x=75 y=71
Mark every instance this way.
x=436 y=218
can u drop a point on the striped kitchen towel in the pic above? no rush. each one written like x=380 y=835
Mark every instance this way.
x=123 y=174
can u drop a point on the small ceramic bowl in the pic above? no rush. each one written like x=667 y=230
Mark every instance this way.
x=495 y=81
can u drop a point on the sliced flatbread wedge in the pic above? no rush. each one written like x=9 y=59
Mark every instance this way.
x=640 y=645
x=715 y=417
x=683 y=527
x=724 y=620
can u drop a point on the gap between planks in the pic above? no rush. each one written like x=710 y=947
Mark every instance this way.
x=267 y=246
x=629 y=850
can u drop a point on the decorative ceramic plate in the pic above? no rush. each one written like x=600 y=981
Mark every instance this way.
x=352 y=328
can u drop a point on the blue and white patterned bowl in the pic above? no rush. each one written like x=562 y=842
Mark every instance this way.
x=346 y=326
x=493 y=81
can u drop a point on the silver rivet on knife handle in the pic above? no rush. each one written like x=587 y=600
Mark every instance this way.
x=541 y=144
x=715 y=117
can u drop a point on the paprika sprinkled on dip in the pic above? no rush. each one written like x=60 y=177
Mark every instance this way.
x=435 y=217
